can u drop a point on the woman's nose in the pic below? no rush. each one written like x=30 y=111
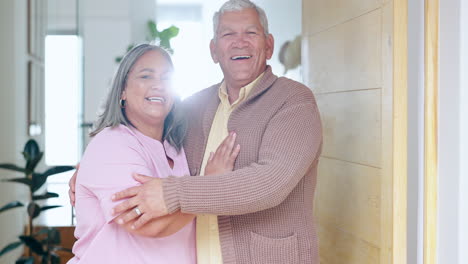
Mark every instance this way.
x=157 y=84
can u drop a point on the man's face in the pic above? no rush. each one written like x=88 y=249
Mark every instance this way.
x=241 y=47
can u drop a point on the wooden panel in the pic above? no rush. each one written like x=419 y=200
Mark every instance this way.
x=323 y=14
x=338 y=247
x=354 y=58
x=352 y=126
x=400 y=129
x=431 y=69
x=387 y=134
x=346 y=57
x=348 y=198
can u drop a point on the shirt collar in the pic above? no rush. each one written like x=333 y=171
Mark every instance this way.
x=243 y=93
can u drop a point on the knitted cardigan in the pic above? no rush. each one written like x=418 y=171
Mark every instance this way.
x=264 y=206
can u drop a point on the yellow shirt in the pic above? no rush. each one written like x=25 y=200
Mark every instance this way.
x=208 y=244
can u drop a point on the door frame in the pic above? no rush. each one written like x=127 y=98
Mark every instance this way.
x=400 y=130
x=431 y=83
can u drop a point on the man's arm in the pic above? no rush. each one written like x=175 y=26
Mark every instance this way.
x=290 y=145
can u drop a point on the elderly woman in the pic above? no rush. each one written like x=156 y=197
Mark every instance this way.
x=140 y=131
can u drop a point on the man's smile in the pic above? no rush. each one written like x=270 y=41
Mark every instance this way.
x=241 y=57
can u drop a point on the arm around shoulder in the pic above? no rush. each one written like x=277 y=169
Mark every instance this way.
x=290 y=145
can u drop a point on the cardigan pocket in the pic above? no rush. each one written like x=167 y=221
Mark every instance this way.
x=273 y=250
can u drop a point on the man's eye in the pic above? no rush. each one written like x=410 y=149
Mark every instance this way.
x=252 y=33
x=227 y=34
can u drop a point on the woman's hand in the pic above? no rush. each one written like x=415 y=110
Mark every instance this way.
x=223 y=159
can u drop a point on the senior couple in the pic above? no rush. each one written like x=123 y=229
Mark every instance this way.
x=227 y=176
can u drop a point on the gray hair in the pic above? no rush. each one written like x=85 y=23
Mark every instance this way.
x=113 y=115
x=239 y=5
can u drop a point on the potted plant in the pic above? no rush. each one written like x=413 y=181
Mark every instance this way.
x=162 y=38
x=44 y=242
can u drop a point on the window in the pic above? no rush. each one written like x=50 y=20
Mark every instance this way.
x=62 y=99
x=63 y=77
x=191 y=46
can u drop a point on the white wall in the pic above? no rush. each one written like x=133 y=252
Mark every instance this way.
x=108 y=27
x=415 y=130
x=12 y=116
x=450 y=91
x=463 y=185
x=285 y=23
x=61 y=16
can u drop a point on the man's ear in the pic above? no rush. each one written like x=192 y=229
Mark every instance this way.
x=213 y=51
x=269 y=46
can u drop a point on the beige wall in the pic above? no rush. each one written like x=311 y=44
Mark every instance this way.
x=12 y=115
x=347 y=60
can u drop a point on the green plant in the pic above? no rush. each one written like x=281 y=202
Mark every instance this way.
x=44 y=242
x=162 y=38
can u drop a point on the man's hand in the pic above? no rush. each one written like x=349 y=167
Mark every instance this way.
x=72 y=184
x=148 y=198
x=223 y=159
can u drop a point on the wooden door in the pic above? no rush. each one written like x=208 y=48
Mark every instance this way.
x=354 y=59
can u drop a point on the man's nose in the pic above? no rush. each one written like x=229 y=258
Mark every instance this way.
x=241 y=41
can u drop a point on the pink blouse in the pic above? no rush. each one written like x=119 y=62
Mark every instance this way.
x=106 y=168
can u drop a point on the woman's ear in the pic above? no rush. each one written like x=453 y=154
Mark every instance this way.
x=124 y=95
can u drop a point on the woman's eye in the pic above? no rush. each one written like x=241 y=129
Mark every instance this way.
x=145 y=76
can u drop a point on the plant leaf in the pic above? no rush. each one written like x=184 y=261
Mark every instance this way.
x=31 y=150
x=53 y=236
x=57 y=169
x=165 y=43
x=170 y=32
x=11 y=206
x=45 y=259
x=39 y=179
x=33 y=210
x=10 y=247
x=130 y=47
x=25 y=260
x=32 y=163
x=62 y=249
x=33 y=244
x=42 y=231
x=12 y=167
x=45 y=196
x=48 y=207
x=54 y=258
x=153 y=29
x=20 y=180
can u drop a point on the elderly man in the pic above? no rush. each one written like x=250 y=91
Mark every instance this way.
x=261 y=212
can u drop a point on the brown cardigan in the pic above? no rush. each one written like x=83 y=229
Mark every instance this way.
x=265 y=205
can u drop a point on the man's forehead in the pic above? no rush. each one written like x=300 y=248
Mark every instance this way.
x=228 y=26
x=229 y=19
x=239 y=13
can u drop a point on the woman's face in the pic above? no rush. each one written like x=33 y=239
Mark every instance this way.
x=148 y=92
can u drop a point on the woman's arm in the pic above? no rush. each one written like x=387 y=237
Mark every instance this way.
x=219 y=162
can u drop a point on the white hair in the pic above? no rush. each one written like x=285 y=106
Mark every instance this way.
x=239 y=5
